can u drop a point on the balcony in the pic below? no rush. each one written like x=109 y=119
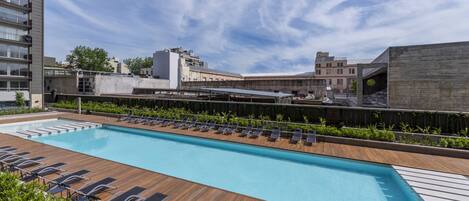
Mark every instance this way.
x=16 y=39
x=21 y=5
x=14 y=20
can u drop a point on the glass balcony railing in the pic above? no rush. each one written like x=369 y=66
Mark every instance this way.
x=12 y=36
x=17 y=2
x=10 y=17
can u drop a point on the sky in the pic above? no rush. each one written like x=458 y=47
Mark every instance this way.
x=252 y=36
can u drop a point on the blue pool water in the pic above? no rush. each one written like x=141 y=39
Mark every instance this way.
x=264 y=173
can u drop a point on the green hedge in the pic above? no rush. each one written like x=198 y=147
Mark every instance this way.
x=370 y=133
x=19 y=111
x=12 y=189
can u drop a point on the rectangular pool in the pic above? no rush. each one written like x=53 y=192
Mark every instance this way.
x=264 y=173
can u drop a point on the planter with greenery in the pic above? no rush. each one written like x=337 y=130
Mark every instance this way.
x=11 y=188
x=20 y=111
x=370 y=133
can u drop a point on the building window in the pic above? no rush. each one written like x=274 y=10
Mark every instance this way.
x=3 y=85
x=328 y=65
x=3 y=69
x=319 y=72
x=330 y=81
x=328 y=71
x=18 y=85
x=340 y=71
x=340 y=64
x=340 y=82
x=318 y=65
x=351 y=70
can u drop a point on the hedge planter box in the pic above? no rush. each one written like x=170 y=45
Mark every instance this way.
x=457 y=153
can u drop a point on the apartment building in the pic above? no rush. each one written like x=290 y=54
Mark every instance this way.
x=337 y=72
x=117 y=66
x=21 y=51
x=179 y=65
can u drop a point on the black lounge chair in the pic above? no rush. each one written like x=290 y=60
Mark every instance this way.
x=90 y=191
x=155 y=121
x=8 y=158
x=135 y=120
x=229 y=130
x=7 y=151
x=311 y=138
x=125 y=118
x=42 y=171
x=156 y=197
x=199 y=126
x=6 y=148
x=247 y=131
x=297 y=136
x=142 y=120
x=207 y=128
x=129 y=195
x=275 y=134
x=256 y=133
x=222 y=129
x=62 y=183
x=24 y=163
x=168 y=123
x=190 y=125
x=179 y=124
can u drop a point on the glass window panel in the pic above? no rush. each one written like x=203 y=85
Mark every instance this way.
x=3 y=69
x=3 y=50
x=23 y=85
x=3 y=85
x=23 y=70
x=14 y=85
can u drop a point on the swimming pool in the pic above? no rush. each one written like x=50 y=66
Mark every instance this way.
x=265 y=173
x=13 y=127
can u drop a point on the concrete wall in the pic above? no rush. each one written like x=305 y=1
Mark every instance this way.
x=125 y=85
x=166 y=66
x=298 y=86
x=65 y=84
x=37 y=51
x=432 y=77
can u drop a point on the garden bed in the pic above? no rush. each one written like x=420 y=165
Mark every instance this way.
x=371 y=133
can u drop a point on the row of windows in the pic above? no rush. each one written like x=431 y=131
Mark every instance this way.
x=203 y=79
x=12 y=33
x=339 y=71
x=13 y=15
x=11 y=69
x=339 y=64
x=13 y=85
x=13 y=51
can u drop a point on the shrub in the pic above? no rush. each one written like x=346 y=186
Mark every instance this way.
x=12 y=189
x=19 y=98
x=19 y=111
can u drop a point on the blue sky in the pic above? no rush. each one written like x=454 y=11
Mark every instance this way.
x=252 y=36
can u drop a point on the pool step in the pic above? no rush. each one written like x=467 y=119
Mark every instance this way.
x=56 y=129
x=436 y=186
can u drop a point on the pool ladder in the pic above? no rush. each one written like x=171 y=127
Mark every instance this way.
x=56 y=129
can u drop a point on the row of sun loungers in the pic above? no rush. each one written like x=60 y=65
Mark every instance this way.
x=18 y=162
x=225 y=129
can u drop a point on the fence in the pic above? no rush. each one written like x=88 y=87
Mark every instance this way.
x=448 y=122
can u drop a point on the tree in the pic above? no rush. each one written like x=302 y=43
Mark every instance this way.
x=354 y=86
x=137 y=63
x=86 y=58
x=19 y=99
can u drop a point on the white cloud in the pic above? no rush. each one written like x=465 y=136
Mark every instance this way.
x=257 y=35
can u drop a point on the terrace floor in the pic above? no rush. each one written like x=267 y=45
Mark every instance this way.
x=178 y=189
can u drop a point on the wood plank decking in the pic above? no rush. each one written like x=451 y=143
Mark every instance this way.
x=178 y=189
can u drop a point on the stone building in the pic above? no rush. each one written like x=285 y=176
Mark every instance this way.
x=428 y=77
x=339 y=74
x=117 y=66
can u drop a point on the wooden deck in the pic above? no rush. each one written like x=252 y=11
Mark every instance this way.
x=178 y=189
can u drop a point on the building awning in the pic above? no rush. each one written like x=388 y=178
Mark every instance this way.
x=245 y=92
